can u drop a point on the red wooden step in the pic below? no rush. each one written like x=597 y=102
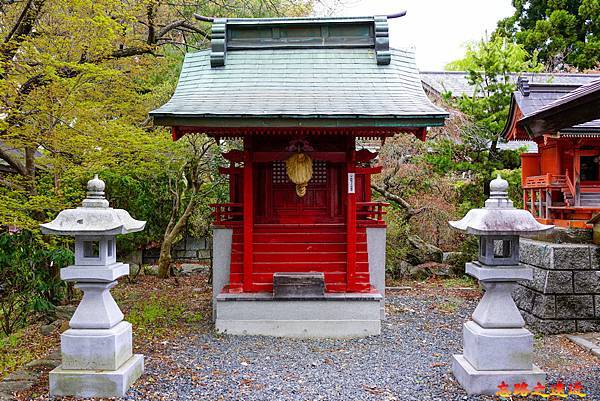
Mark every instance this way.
x=298 y=257
x=286 y=228
x=273 y=267
x=300 y=247
x=303 y=237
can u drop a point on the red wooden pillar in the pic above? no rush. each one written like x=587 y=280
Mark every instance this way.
x=248 y=218
x=576 y=176
x=351 y=221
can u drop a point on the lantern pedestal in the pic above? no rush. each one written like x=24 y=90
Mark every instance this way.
x=96 y=383
x=497 y=348
x=487 y=381
x=97 y=357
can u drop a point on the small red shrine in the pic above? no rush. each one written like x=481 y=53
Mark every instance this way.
x=561 y=182
x=302 y=94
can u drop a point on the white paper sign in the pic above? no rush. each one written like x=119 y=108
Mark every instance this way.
x=351 y=181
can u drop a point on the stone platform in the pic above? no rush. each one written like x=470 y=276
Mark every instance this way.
x=96 y=383
x=487 y=381
x=564 y=295
x=333 y=315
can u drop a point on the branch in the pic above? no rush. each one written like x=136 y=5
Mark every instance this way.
x=131 y=51
x=20 y=31
x=13 y=162
x=179 y=24
x=411 y=211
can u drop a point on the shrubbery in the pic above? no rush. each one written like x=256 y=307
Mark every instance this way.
x=29 y=279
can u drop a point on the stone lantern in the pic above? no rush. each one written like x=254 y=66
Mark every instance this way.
x=497 y=347
x=97 y=358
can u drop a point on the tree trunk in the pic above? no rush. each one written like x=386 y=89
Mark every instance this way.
x=30 y=168
x=172 y=231
x=164 y=260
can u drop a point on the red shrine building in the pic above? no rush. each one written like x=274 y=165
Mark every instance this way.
x=299 y=249
x=561 y=181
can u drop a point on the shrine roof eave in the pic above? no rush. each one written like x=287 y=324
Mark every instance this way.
x=302 y=121
x=299 y=87
x=570 y=111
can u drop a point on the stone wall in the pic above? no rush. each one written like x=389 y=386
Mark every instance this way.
x=188 y=249
x=564 y=295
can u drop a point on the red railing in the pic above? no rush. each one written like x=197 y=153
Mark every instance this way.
x=571 y=188
x=232 y=213
x=226 y=213
x=545 y=181
x=371 y=211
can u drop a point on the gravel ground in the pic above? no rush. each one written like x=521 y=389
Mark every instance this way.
x=409 y=361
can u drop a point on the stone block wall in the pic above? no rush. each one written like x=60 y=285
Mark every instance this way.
x=188 y=249
x=564 y=295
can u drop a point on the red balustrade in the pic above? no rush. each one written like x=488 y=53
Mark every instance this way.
x=226 y=214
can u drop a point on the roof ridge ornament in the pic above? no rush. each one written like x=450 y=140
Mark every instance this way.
x=283 y=33
x=382 y=40
x=218 y=43
x=523 y=85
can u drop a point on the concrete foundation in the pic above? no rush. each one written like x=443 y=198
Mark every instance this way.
x=222 y=239
x=340 y=315
x=487 y=381
x=96 y=383
x=332 y=315
x=376 y=241
x=564 y=295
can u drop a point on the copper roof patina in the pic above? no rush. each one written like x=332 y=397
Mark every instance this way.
x=300 y=72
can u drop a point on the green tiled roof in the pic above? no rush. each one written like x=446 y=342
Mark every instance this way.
x=297 y=84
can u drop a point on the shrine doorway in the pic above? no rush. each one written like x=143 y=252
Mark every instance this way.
x=278 y=203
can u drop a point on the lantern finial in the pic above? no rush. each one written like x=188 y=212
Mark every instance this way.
x=498 y=194
x=95 y=193
x=499 y=187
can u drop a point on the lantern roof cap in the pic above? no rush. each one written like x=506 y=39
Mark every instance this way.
x=93 y=217
x=499 y=216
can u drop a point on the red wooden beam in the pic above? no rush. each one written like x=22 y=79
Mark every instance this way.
x=350 y=187
x=240 y=132
x=174 y=133
x=368 y=170
x=230 y=170
x=335 y=157
x=248 y=221
x=421 y=133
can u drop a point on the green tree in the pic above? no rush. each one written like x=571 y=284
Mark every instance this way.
x=564 y=32
x=77 y=79
x=489 y=64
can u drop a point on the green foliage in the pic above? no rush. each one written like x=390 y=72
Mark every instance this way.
x=459 y=282
x=9 y=360
x=78 y=82
x=397 y=246
x=488 y=64
x=563 y=33
x=475 y=157
x=470 y=160
x=29 y=277
x=154 y=316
